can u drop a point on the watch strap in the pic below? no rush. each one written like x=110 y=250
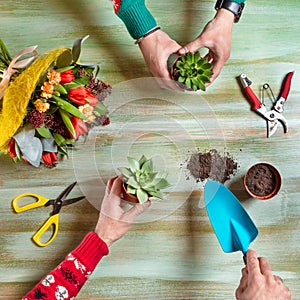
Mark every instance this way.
x=235 y=7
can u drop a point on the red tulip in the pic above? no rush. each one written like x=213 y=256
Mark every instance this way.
x=12 y=148
x=49 y=159
x=79 y=126
x=82 y=96
x=66 y=77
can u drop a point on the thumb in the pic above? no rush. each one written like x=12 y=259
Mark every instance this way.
x=191 y=47
x=135 y=211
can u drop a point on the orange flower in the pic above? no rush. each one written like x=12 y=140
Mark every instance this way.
x=47 y=90
x=41 y=106
x=53 y=77
x=88 y=111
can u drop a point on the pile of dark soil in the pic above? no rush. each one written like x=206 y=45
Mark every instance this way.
x=211 y=165
x=260 y=180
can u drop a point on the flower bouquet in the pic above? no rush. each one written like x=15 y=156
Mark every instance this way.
x=47 y=102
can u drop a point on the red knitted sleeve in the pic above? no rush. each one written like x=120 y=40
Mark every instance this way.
x=117 y=4
x=66 y=280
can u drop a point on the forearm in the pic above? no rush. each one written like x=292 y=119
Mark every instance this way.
x=68 y=278
x=136 y=17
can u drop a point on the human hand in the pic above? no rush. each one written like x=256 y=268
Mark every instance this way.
x=113 y=220
x=216 y=37
x=258 y=282
x=156 y=49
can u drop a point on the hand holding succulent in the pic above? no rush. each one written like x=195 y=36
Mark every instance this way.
x=142 y=181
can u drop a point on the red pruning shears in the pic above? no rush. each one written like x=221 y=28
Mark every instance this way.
x=273 y=116
x=39 y=201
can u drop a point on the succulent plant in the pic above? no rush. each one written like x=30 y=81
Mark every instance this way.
x=191 y=70
x=142 y=181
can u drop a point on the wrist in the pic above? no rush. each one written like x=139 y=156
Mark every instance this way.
x=147 y=34
x=225 y=15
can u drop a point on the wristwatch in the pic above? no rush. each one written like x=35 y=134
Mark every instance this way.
x=234 y=7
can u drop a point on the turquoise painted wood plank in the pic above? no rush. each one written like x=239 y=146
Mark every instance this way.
x=171 y=252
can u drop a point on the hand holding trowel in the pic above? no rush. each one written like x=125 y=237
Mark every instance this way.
x=233 y=226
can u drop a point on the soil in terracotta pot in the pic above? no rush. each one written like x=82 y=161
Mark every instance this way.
x=211 y=165
x=261 y=180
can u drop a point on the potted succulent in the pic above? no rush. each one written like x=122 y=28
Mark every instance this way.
x=190 y=70
x=141 y=182
x=262 y=181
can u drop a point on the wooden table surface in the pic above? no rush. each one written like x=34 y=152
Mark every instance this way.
x=171 y=252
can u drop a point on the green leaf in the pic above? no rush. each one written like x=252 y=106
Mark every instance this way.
x=188 y=83
x=60 y=70
x=131 y=190
x=63 y=151
x=59 y=139
x=181 y=79
x=69 y=86
x=194 y=81
x=44 y=132
x=142 y=160
x=189 y=57
x=142 y=195
x=64 y=60
x=77 y=48
x=203 y=78
x=207 y=66
x=162 y=184
x=18 y=152
x=66 y=119
x=197 y=56
x=5 y=56
x=156 y=194
x=131 y=181
x=179 y=64
x=126 y=172
x=84 y=80
x=133 y=164
x=100 y=109
x=59 y=88
x=201 y=86
x=68 y=107
x=147 y=166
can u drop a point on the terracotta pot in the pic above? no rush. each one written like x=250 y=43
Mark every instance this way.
x=262 y=181
x=129 y=197
x=171 y=63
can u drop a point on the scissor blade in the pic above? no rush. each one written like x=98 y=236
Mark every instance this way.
x=72 y=200
x=271 y=127
x=64 y=194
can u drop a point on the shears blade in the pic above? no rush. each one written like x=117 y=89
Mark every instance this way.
x=271 y=127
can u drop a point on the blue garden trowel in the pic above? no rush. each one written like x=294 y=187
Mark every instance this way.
x=233 y=226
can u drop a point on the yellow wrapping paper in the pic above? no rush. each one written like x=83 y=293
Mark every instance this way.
x=18 y=94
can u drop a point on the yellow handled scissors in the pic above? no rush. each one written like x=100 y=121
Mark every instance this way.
x=40 y=201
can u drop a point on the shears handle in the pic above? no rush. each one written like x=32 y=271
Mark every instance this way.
x=286 y=85
x=38 y=202
x=256 y=103
x=52 y=221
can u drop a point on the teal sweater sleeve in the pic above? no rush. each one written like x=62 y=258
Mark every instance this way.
x=136 y=17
